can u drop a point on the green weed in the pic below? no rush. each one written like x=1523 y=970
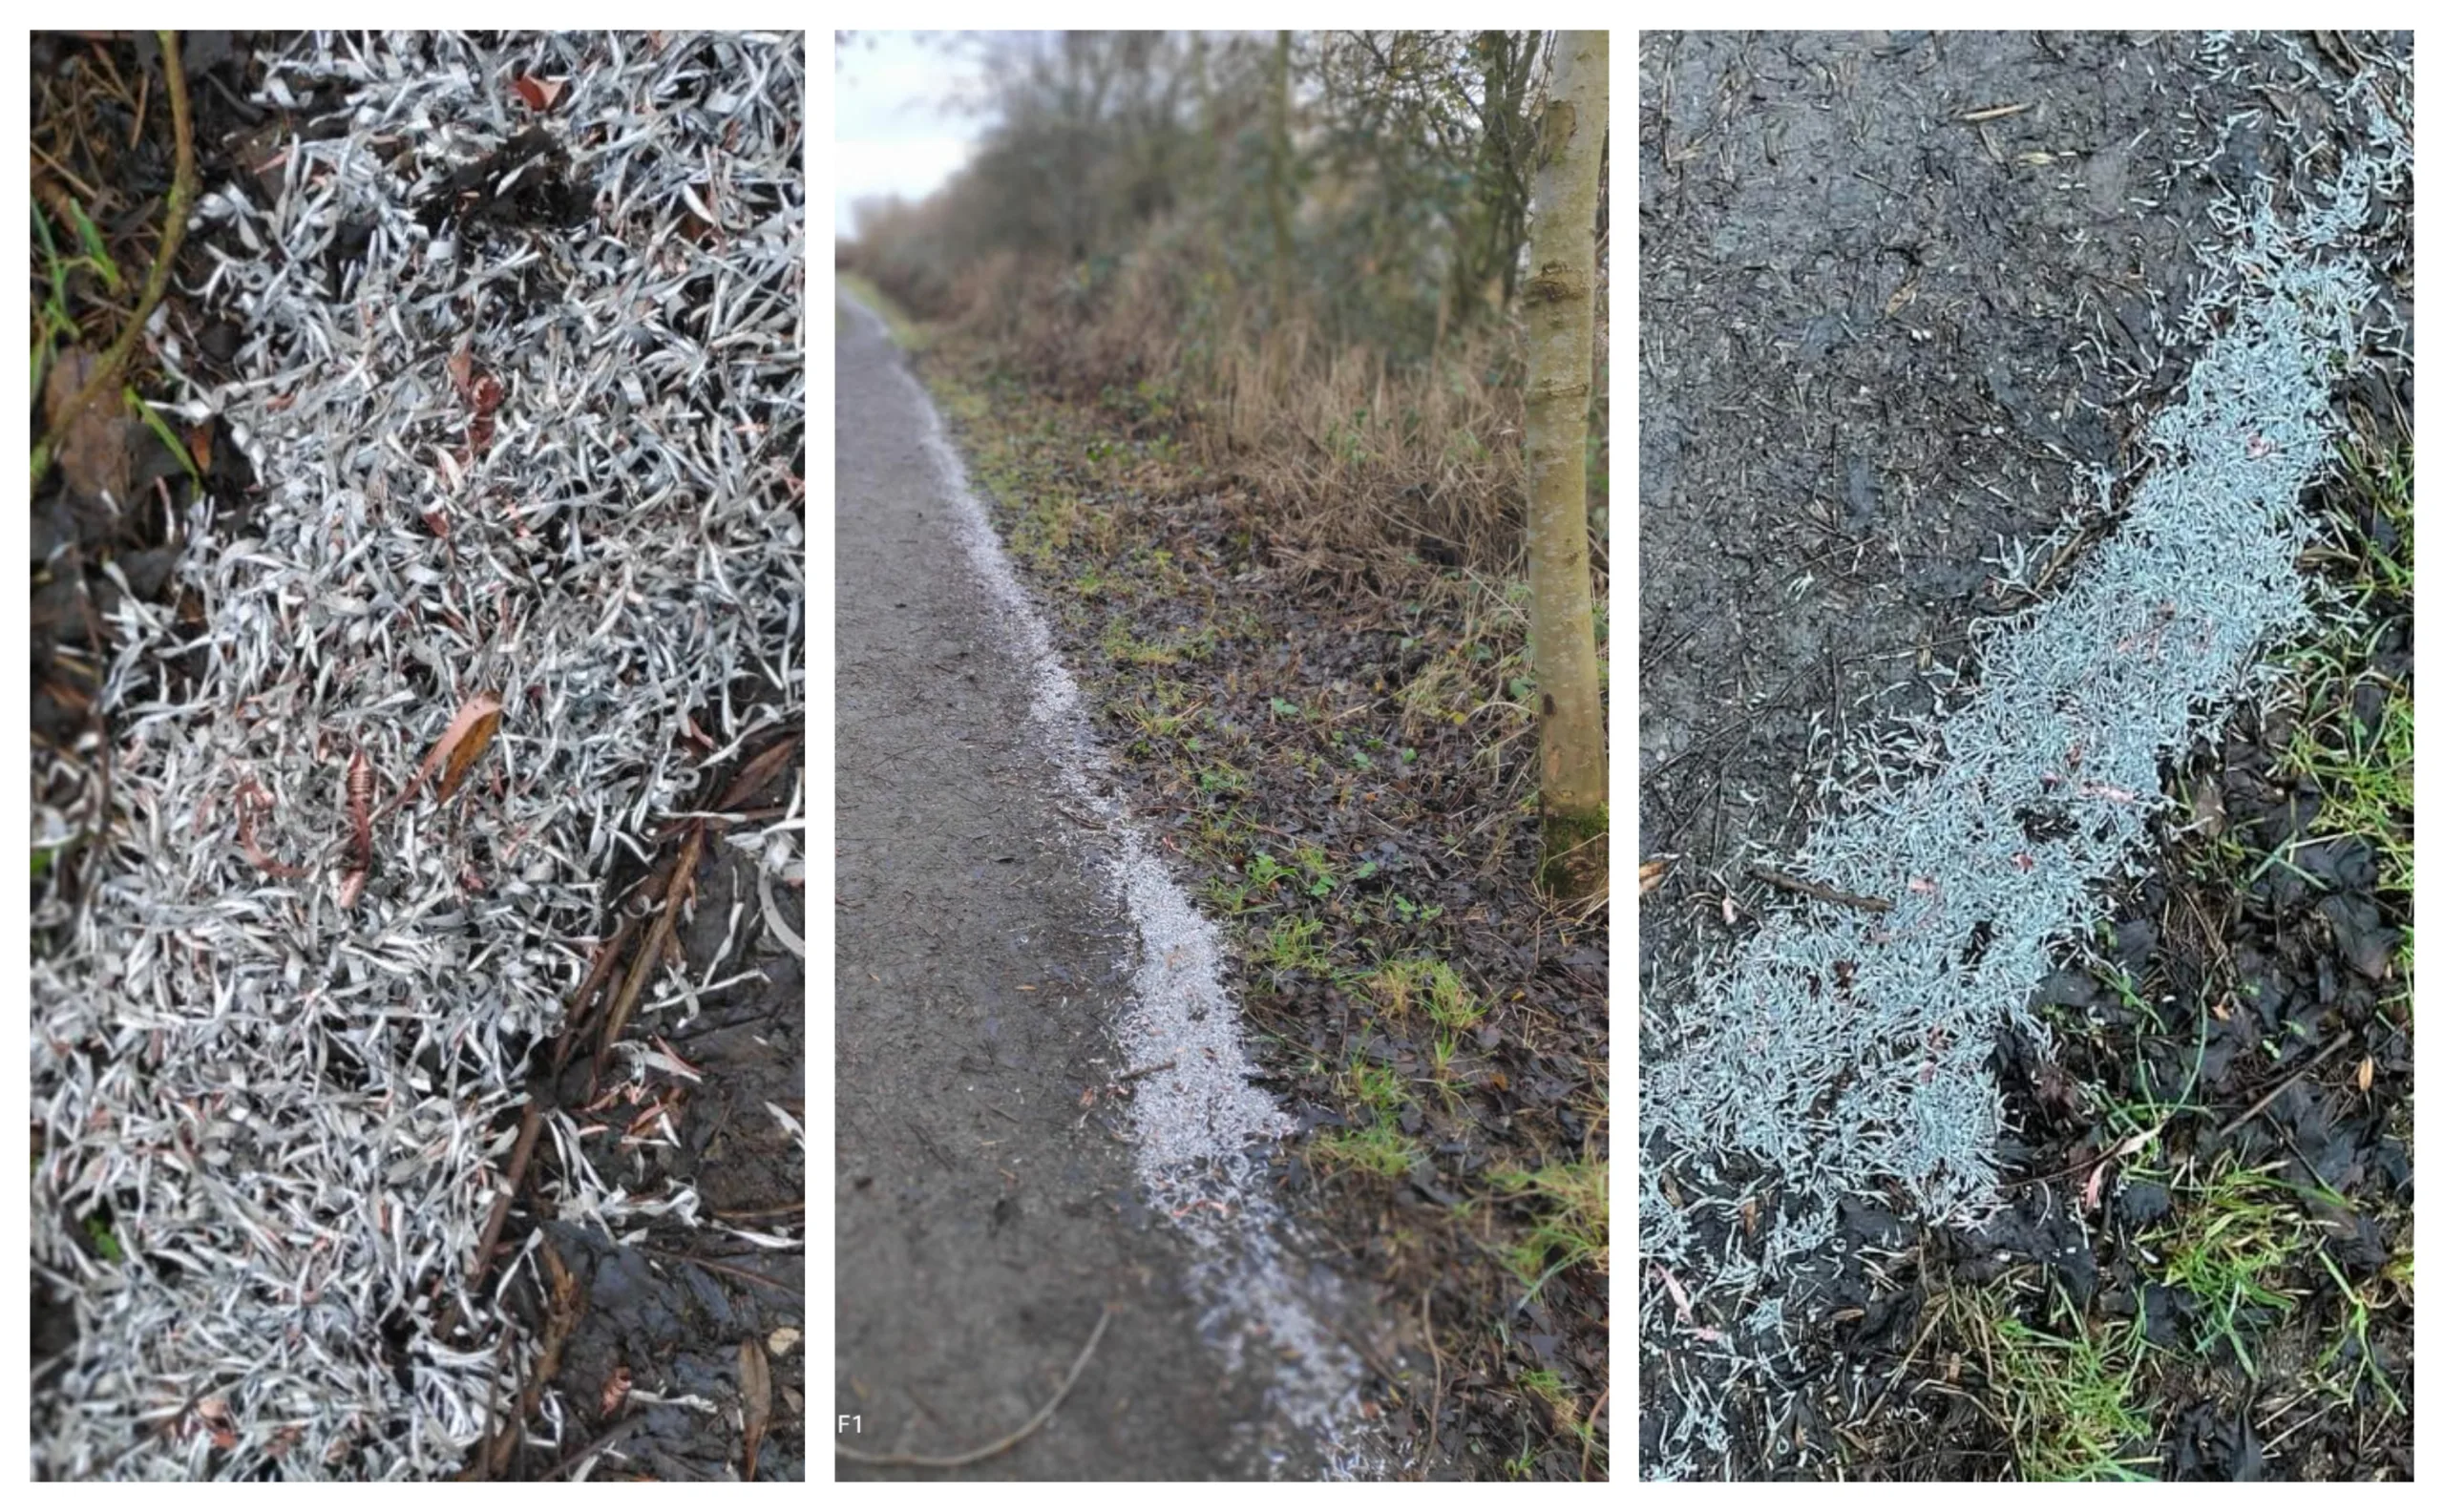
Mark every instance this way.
x=1572 y=1225
x=1295 y=944
x=105 y=1243
x=53 y=321
x=1400 y=986
x=1126 y=649
x=2070 y=1399
x=1219 y=776
x=1547 y=1387
x=2235 y=1238
x=1379 y=1149
x=2352 y=1348
x=1153 y=722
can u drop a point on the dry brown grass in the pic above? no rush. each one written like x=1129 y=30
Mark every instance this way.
x=1341 y=452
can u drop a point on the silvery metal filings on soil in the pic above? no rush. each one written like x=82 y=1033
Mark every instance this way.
x=282 y=1111
x=1839 y=1055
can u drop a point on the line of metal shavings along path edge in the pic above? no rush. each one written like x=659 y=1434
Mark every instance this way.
x=286 y=1109
x=1842 y=1052
x=1200 y=1127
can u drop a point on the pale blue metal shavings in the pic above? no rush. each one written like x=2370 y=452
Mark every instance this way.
x=1841 y=1052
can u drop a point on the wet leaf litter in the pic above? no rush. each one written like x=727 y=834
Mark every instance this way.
x=519 y=587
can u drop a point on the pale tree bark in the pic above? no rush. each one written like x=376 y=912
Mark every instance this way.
x=1560 y=306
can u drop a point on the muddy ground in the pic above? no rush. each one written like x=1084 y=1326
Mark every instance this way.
x=1903 y=294
x=985 y=1218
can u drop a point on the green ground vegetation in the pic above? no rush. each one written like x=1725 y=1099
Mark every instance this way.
x=2270 y=1324
x=2351 y=709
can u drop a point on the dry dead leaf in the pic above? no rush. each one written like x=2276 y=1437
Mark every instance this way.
x=470 y=731
x=360 y=809
x=614 y=1392
x=539 y=95
x=360 y=824
x=476 y=735
x=251 y=801
x=755 y=1397
x=1650 y=874
x=2366 y=1073
x=93 y=441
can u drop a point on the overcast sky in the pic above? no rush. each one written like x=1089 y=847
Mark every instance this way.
x=892 y=129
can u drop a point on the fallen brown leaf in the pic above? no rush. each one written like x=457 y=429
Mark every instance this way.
x=755 y=1397
x=92 y=440
x=360 y=825
x=472 y=738
x=1650 y=874
x=482 y=712
x=614 y=1392
x=538 y=94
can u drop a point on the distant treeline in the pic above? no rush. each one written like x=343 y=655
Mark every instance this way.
x=1296 y=255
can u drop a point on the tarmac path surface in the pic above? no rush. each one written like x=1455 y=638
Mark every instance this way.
x=986 y=1218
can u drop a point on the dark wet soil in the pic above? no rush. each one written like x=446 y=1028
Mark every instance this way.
x=669 y=1315
x=1870 y=337
x=1901 y=292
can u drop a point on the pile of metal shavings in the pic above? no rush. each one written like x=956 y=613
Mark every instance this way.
x=1839 y=1053
x=545 y=446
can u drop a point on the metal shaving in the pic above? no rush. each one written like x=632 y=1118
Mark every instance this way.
x=280 y=1111
x=1841 y=1053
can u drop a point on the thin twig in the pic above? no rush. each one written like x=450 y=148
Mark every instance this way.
x=757 y=773
x=1145 y=1071
x=104 y=374
x=597 y=975
x=1006 y=1441
x=737 y=1214
x=519 y=1156
x=2285 y=1085
x=657 y=940
x=1819 y=891
x=1587 y=1449
x=608 y=1439
x=726 y=1268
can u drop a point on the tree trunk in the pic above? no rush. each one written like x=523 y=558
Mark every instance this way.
x=1560 y=306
